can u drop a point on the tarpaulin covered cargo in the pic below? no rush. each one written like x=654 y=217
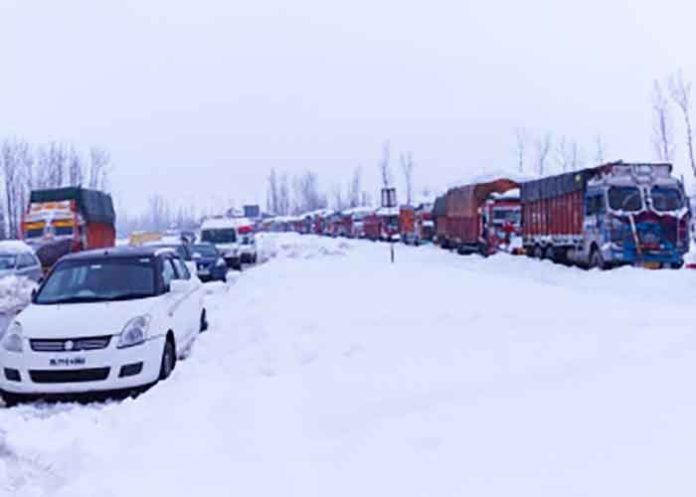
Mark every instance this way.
x=95 y=206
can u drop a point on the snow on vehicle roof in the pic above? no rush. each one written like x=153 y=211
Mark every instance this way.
x=218 y=223
x=493 y=175
x=364 y=209
x=14 y=247
x=514 y=193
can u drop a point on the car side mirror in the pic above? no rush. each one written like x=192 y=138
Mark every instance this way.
x=178 y=286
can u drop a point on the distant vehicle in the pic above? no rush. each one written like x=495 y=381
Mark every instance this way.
x=248 y=251
x=103 y=321
x=479 y=217
x=609 y=215
x=222 y=232
x=183 y=250
x=382 y=224
x=18 y=259
x=252 y=211
x=209 y=263
x=64 y=220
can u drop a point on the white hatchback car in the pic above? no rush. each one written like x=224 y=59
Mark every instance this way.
x=103 y=321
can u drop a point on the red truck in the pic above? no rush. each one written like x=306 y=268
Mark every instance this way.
x=609 y=215
x=63 y=220
x=382 y=224
x=480 y=217
x=416 y=223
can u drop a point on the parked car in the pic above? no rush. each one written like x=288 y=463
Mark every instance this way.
x=103 y=321
x=222 y=232
x=18 y=259
x=209 y=262
x=247 y=248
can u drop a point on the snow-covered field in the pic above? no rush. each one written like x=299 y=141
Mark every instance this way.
x=329 y=372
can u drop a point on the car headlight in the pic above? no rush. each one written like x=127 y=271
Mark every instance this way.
x=221 y=262
x=135 y=332
x=12 y=340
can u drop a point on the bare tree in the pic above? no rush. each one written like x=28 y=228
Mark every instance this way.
x=272 y=204
x=662 y=125
x=17 y=161
x=76 y=168
x=338 y=202
x=599 y=149
x=307 y=194
x=521 y=147
x=99 y=164
x=355 y=187
x=680 y=90
x=407 y=166
x=284 y=196
x=567 y=154
x=384 y=169
x=543 y=147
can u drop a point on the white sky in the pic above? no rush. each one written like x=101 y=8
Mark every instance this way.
x=198 y=100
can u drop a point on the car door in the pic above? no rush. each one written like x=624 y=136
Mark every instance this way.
x=174 y=302
x=190 y=300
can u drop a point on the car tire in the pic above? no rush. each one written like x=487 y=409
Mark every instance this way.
x=204 y=325
x=597 y=261
x=10 y=399
x=168 y=359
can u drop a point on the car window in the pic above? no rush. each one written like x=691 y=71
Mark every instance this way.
x=25 y=261
x=181 y=269
x=168 y=272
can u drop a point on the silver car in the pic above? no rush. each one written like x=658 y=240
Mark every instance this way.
x=17 y=259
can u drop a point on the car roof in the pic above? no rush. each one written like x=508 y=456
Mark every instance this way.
x=15 y=247
x=116 y=252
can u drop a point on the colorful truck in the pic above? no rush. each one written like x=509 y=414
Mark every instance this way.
x=63 y=220
x=382 y=224
x=479 y=218
x=610 y=215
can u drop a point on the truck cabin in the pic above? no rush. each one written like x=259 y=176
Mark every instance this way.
x=625 y=189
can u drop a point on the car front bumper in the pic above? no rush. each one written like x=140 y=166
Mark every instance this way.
x=81 y=372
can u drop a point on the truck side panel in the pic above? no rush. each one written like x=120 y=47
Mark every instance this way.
x=100 y=235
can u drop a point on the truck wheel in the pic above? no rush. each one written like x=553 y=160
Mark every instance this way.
x=549 y=253
x=677 y=265
x=538 y=252
x=597 y=261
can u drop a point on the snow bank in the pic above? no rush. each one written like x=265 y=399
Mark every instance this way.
x=329 y=371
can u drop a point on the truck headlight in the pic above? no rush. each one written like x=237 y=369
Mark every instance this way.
x=12 y=340
x=135 y=332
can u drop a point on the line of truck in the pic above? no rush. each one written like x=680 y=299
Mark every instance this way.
x=604 y=216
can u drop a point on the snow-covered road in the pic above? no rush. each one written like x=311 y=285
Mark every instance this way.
x=329 y=372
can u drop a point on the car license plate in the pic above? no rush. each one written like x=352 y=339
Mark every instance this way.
x=67 y=361
x=651 y=265
x=204 y=272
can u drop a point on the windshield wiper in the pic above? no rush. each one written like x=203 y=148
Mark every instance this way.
x=131 y=296
x=73 y=300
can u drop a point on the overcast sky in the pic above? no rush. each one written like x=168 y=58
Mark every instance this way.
x=198 y=100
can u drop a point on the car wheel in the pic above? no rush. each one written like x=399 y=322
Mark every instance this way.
x=10 y=399
x=204 y=322
x=168 y=359
x=597 y=261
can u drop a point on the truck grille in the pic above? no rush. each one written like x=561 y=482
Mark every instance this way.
x=68 y=375
x=69 y=345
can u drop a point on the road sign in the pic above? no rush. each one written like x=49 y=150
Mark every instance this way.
x=389 y=197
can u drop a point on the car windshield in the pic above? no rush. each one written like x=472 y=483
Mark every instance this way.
x=666 y=198
x=625 y=198
x=7 y=261
x=205 y=250
x=222 y=235
x=99 y=280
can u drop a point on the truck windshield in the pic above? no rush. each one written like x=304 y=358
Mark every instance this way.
x=223 y=235
x=501 y=216
x=625 y=198
x=666 y=198
x=99 y=280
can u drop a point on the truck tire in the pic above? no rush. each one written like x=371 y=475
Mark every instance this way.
x=677 y=265
x=597 y=261
x=549 y=253
x=538 y=252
